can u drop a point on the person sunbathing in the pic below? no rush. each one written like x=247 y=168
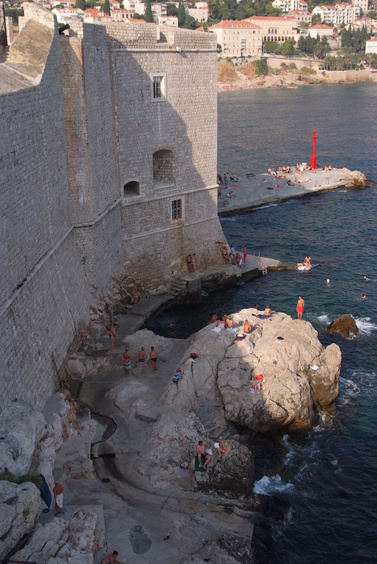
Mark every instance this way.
x=222 y=448
x=247 y=328
x=229 y=322
x=267 y=311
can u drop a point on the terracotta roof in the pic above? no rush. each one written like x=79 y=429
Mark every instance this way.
x=234 y=24
x=320 y=26
x=273 y=18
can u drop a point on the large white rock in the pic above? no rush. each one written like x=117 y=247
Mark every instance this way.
x=61 y=541
x=283 y=350
x=21 y=428
x=19 y=508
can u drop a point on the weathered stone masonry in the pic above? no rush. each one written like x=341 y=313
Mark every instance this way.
x=101 y=175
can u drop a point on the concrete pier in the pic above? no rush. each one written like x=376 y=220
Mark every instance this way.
x=251 y=192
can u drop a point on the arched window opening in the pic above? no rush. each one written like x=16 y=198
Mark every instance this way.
x=131 y=189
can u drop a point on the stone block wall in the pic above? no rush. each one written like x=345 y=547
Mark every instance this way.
x=38 y=323
x=43 y=287
x=78 y=123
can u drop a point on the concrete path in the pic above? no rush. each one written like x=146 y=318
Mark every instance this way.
x=264 y=188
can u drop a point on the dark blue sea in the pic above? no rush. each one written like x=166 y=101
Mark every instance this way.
x=329 y=474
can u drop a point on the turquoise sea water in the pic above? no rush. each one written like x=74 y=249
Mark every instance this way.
x=329 y=474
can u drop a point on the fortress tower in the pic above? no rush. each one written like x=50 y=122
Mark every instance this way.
x=108 y=157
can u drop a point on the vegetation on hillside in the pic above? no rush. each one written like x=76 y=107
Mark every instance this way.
x=226 y=72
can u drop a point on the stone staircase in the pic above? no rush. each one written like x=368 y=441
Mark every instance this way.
x=177 y=286
x=4 y=55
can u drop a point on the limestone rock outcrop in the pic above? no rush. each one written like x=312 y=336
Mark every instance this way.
x=34 y=441
x=19 y=507
x=299 y=373
x=345 y=325
x=61 y=541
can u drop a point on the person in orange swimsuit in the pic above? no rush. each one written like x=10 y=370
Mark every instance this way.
x=300 y=307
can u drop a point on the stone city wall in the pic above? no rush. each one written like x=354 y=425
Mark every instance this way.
x=43 y=297
x=78 y=124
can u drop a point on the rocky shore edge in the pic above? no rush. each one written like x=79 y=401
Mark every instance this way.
x=118 y=449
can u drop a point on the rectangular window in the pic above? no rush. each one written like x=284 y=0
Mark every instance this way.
x=157 y=86
x=176 y=210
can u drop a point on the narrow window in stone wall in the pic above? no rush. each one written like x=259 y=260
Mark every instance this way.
x=158 y=87
x=176 y=210
x=157 y=91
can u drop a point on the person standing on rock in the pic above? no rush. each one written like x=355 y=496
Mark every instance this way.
x=300 y=307
x=244 y=254
x=126 y=356
x=153 y=358
x=113 y=334
x=58 y=497
x=141 y=356
x=193 y=263
x=111 y=558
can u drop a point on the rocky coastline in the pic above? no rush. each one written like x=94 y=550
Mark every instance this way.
x=118 y=447
x=294 y=79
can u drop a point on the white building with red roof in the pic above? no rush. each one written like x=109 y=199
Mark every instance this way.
x=371 y=46
x=238 y=38
x=339 y=14
x=321 y=30
x=289 y=5
x=200 y=12
x=302 y=17
x=275 y=28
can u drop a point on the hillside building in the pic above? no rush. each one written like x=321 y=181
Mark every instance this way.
x=274 y=28
x=339 y=14
x=238 y=38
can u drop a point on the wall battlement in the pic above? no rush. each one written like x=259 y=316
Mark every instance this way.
x=108 y=154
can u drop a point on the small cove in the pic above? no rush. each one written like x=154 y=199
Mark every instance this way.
x=327 y=474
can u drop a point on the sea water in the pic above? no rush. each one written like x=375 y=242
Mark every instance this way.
x=328 y=474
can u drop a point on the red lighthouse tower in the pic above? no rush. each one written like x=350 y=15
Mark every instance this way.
x=313 y=158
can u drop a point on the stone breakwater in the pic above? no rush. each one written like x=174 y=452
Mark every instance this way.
x=128 y=492
x=250 y=192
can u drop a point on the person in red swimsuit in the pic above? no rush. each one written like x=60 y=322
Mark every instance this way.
x=300 y=307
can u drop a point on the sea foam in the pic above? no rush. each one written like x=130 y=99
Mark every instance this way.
x=365 y=325
x=271 y=485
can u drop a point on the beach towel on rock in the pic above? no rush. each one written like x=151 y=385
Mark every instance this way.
x=197 y=467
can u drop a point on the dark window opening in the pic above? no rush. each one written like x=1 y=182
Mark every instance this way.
x=131 y=188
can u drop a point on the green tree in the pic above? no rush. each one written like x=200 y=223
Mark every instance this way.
x=171 y=10
x=271 y=47
x=148 y=12
x=181 y=14
x=106 y=7
x=261 y=67
x=81 y=4
x=288 y=47
x=190 y=23
x=137 y=16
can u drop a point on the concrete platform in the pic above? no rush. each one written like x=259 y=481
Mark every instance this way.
x=262 y=189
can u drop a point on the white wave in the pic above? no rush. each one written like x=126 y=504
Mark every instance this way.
x=270 y=485
x=365 y=325
x=323 y=319
x=229 y=218
x=268 y=206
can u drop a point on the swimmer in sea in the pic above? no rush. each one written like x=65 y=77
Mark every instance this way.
x=366 y=278
x=364 y=296
x=328 y=282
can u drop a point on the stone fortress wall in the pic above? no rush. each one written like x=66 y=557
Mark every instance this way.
x=93 y=169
